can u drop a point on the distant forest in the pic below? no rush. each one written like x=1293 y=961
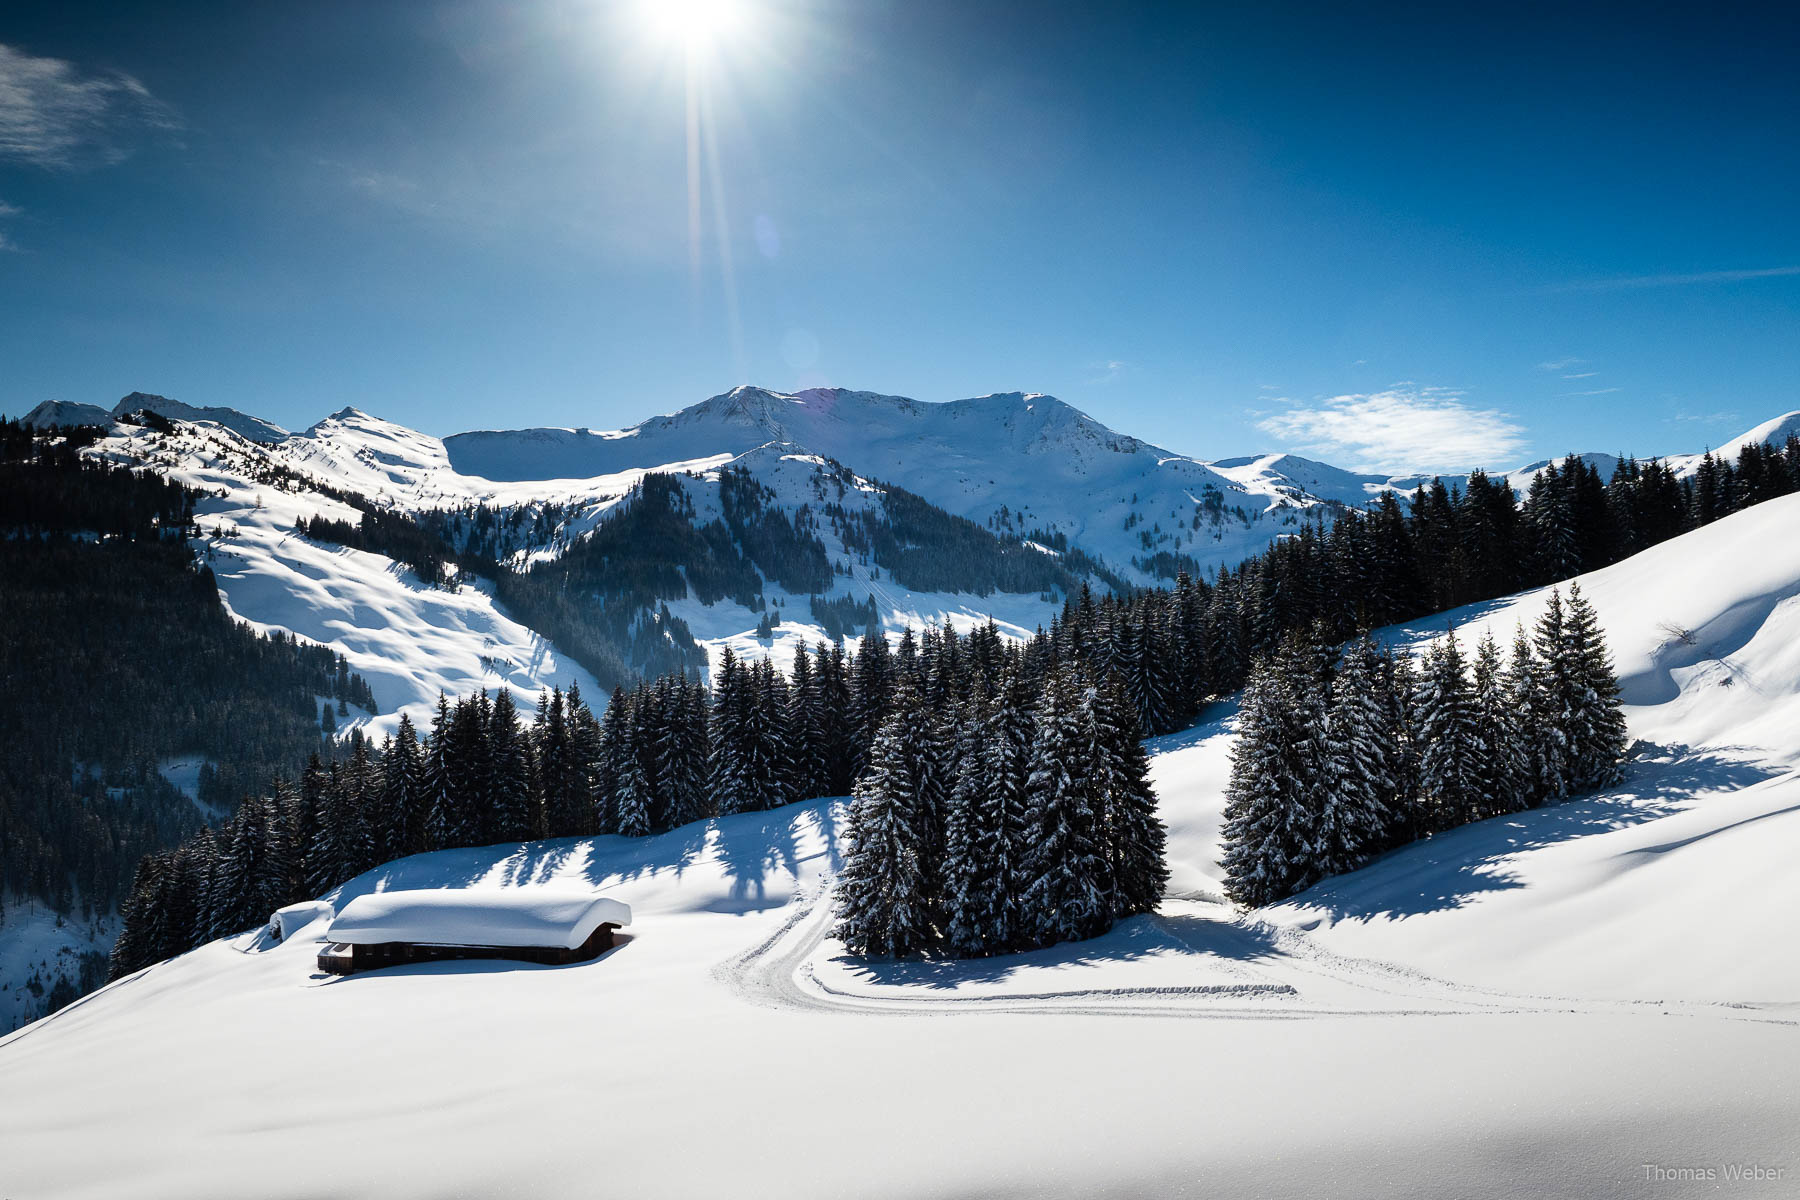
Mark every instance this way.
x=117 y=654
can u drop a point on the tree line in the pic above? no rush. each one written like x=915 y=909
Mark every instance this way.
x=671 y=752
x=1343 y=756
x=1176 y=648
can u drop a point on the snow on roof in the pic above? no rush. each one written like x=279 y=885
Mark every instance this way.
x=284 y=923
x=516 y=916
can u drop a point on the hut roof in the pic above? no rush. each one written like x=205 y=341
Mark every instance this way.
x=514 y=916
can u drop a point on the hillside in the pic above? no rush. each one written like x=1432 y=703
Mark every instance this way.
x=1485 y=995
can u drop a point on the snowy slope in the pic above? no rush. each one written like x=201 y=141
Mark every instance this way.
x=254 y=429
x=1302 y=478
x=1536 y=1005
x=1774 y=432
x=407 y=639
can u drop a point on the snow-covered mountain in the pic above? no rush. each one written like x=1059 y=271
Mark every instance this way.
x=1574 y=991
x=1018 y=463
x=64 y=412
x=1027 y=468
x=243 y=424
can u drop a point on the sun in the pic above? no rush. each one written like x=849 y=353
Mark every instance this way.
x=694 y=23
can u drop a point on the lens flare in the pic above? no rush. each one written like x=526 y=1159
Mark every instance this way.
x=695 y=23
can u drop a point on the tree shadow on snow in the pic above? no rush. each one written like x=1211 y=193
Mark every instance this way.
x=750 y=845
x=1131 y=939
x=1450 y=869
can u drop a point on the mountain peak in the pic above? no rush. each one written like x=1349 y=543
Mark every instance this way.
x=252 y=428
x=64 y=412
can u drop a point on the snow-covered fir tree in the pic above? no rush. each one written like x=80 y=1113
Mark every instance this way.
x=1066 y=870
x=1596 y=729
x=510 y=795
x=884 y=901
x=1556 y=700
x=1135 y=839
x=1450 y=742
x=1272 y=800
x=1355 y=815
x=975 y=873
x=1504 y=768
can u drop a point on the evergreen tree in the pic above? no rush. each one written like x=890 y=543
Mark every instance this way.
x=1402 y=684
x=510 y=794
x=837 y=734
x=1005 y=769
x=1271 y=801
x=440 y=828
x=1450 y=751
x=1136 y=840
x=1555 y=702
x=884 y=895
x=1503 y=771
x=575 y=811
x=806 y=735
x=732 y=733
x=872 y=684
x=233 y=893
x=1596 y=729
x=1357 y=781
x=631 y=786
x=406 y=782
x=975 y=852
x=1066 y=889
x=617 y=749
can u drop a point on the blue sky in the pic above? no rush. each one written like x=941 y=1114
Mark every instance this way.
x=1409 y=239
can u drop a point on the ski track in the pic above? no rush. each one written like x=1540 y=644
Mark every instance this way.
x=778 y=972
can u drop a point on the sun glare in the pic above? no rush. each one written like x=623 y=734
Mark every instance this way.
x=695 y=23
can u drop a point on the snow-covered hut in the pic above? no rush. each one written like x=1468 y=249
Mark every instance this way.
x=284 y=923
x=536 y=924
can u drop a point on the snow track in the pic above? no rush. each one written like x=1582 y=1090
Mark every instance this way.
x=1300 y=979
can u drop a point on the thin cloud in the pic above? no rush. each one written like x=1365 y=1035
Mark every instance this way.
x=1594 y=392
x=1623 y=282
x=1401 y=430
x=1582 y=375
x=1109 y=370
x=54 y=115
x=1561 y=364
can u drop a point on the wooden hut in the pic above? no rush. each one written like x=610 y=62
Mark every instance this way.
x=552 y=925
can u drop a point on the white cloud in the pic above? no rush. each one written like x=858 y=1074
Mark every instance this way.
x=1561 y=364
x=1594 y=392
x=1401 y=430
x=1581 y=375
x=53 y=115
x=1675 y=280
x=1109 y=370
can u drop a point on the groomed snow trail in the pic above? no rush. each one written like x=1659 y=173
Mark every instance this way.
x=781 y=971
